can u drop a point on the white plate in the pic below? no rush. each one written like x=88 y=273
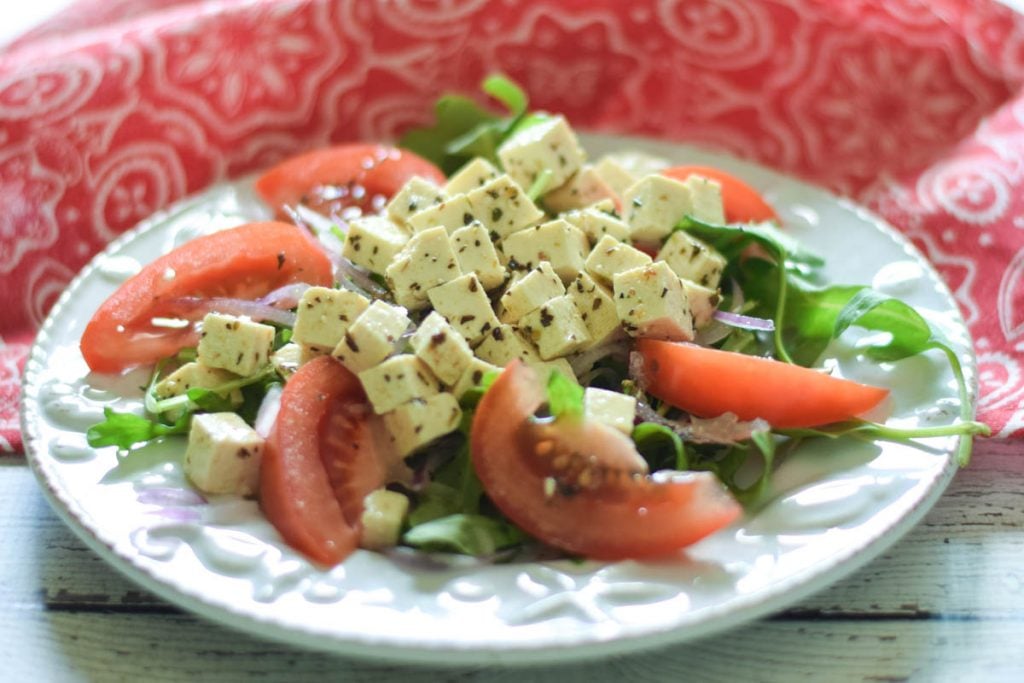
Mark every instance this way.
x=839 y=504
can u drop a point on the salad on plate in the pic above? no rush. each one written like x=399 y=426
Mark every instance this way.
x=480 y=342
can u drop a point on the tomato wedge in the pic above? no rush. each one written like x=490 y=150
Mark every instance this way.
x=709 y=382
x=244 y=262
x=742 y=203
x=320 y=462
x=574 y=490
x=330 y=179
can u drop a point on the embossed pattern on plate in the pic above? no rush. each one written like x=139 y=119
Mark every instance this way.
x=837 y=504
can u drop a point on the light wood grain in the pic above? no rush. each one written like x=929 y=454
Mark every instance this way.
x=946 y=603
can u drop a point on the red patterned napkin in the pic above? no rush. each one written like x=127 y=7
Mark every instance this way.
x=117 y=108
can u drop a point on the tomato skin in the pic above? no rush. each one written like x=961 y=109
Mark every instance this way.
x=360 y=173
x=624 y=515
x=244 y=262
x=742 y=203
x=320 y=462
x=709 y=382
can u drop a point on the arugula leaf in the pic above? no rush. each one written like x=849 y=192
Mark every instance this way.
x=467 y=534
x=124 y=430
x=661 y=447
x=506 y=92
x=436 y=501
x=565 y=397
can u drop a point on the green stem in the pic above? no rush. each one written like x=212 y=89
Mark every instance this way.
x=963 y=451
x=780 y=311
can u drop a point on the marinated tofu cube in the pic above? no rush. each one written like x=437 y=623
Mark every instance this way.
x=373 y=241
x=195 y=376
x=550 y=145
x=235 y=343
x=427 y=261
x=324 y=315
x=504 y=344
x=465 y=305
x=416 y=195
x=703 y=302
x=476 y=173
x=583 y=189
x=417 y=423
x=651 y=302
x=476 y=254
x=223 y=454
x=287 y=359
x=597 y=308
x=503 y=207
x=610 y=408
x=610 y=256
x=596 y=223
x=451 y=214
x=383 y=516
x=705 y=199
x=614 y=174
x=530 y=292
x=545 y=368
x=653 y=205
x=693 y=259
x=444 y=350
x=372 y=337
x=473 y=376
x=558 y=242
x=398 y=380
x=556 y=328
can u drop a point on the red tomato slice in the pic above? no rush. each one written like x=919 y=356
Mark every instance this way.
x=709 y=382
x=574 y=490
x=328 y=180
x=743 y=204
x=244 y=263
x=320 y=462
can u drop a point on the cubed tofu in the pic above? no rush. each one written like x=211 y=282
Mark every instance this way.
x=373 y=241
x=473 y=376
x=596 y=223
x=530 y=292
x=556 y=328
x=324 y=315
x=558 y=242
x=451 y=214
x=223 y=454
x=465 y=305
x=651 y=302
x=549 y=145
x=194 y=376
x=287 y=359
x=610 y=256
x=418 y=422
x=476 y=254
x=504 y=344
x=654 y=205
x=693 y=259
x=614 y=174
x=442 y=348
x=383 y=516
x=398 y=380
x=476 y=173
x=427 y=261
x=416 y=195
x=703 y=302
x=597 y=308
x=545 y=368
x=372 y=337
x=705 y=199
x=503 y=207
x=584 y=188
x=610 y=408
x=235 y=343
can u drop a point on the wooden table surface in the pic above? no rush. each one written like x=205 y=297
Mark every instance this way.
x=944 y=604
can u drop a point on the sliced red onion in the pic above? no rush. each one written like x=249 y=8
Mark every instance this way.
x=724 y=429
x=745 y=322
x=267 y=414
x=285 y=297
x=582 y=362
x=192 y=308
x=353 y=274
